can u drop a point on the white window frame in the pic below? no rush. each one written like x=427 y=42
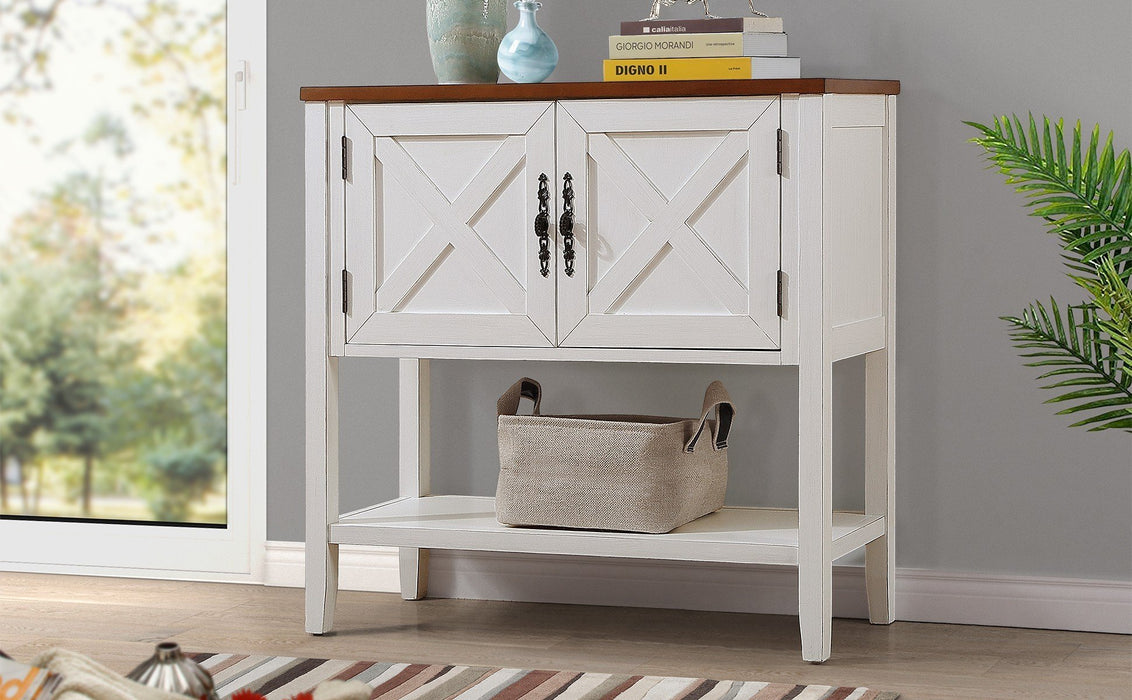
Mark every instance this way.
x=234 y=553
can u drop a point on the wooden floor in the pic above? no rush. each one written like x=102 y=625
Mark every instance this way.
x=117 y=621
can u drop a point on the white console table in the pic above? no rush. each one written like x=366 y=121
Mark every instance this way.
x=725 y=222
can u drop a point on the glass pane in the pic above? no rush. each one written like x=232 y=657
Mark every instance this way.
x=113 y=340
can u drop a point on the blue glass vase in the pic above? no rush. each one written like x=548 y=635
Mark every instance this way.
x=527 y=54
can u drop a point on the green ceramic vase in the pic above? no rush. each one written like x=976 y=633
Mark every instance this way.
x=463 y=37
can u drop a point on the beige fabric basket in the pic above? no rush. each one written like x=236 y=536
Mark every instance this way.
x=628 y=473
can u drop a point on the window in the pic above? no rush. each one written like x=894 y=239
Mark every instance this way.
x=131 y=363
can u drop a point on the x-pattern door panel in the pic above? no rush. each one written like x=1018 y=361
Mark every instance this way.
x=677 y=223
x=440 y=204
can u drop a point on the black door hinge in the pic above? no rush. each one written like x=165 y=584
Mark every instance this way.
x=781 y=138
x=345 y=292
x=781 y=288
x=345 y=158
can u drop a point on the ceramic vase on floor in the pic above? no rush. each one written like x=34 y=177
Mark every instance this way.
x=527 y=54
x=463 y=37
x=170 y=670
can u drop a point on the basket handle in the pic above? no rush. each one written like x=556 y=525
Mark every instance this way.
x=508 y=404
x=717 y=398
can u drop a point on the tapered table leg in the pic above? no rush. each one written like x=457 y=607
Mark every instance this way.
x=414 y=465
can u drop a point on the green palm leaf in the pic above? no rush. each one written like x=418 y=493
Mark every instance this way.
x=1083 y=191
x=1091 y=366
x=1114 y=297
x=1084 y=194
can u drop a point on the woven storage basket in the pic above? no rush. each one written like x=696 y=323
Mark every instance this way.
x=628 y=473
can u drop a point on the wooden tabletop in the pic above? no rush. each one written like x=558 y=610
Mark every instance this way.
x=587 y=91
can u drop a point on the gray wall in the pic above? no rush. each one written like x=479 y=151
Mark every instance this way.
x=989 y=480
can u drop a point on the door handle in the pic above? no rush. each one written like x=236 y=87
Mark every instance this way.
x=566 y=223
x=542 y=225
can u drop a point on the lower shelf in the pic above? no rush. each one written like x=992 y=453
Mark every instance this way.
x=737 y=535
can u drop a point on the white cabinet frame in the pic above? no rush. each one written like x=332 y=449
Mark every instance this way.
x=837 y=256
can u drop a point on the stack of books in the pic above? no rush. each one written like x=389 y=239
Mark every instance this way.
x=701 y=49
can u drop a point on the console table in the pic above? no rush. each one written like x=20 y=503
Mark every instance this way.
x=717 y=222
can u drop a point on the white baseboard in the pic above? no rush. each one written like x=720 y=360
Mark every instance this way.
x=921 y=595
x=359 y=568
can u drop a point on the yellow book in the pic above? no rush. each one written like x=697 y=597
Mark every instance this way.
x=738 y=68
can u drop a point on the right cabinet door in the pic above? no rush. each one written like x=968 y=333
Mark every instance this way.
x=676 y=223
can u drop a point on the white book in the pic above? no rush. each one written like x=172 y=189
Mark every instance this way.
x=698 y=45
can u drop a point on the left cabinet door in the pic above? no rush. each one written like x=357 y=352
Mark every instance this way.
x=440 y=204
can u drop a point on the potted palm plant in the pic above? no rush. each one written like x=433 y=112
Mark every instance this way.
x=1083 y=194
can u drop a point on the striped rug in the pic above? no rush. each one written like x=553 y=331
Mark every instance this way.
x=284 y=676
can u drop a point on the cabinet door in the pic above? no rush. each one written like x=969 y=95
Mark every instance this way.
x=440 y=207
x=677 y=223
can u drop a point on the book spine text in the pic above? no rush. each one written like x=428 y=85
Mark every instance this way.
x=692 y=26
x=678 y=69
x=703 y=26
x=678 y=46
